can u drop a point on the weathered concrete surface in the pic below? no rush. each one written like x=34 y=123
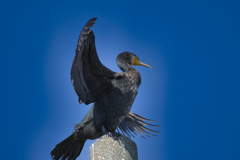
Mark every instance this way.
x=123 y=148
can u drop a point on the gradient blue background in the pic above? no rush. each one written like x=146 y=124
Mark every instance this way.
x=192 y=88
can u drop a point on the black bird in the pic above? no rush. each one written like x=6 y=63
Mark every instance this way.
x=112 y=93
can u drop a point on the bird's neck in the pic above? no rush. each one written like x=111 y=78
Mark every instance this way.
x=131 y=71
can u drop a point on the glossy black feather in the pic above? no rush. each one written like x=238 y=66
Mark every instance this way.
x=68 y=149
x=133 y=123
x=90 y=78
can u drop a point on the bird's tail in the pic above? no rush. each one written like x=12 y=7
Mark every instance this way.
x=70 y=148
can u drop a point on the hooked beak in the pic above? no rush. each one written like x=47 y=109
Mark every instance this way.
x=144 y=64
x=139 y=63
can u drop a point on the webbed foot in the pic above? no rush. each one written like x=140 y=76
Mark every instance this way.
x=114 y=135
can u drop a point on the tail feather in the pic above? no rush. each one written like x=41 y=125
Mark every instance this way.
x=69 y=148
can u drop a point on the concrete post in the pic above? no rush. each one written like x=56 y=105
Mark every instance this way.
x=123 y=148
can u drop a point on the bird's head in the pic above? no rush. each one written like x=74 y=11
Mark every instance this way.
x=129 y=58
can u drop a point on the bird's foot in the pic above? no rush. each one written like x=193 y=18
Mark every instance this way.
x=114 y=135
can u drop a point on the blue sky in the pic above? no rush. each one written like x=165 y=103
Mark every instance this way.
x=192 y=88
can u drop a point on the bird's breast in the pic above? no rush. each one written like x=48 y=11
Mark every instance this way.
x=120 y=101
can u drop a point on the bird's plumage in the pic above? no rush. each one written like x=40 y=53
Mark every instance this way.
x=112 y=93
x=90 y=78
x=134 y=124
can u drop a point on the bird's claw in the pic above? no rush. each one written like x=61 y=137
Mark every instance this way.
x=114 y=135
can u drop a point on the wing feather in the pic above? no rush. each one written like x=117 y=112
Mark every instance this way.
x=134 y=124
x=90 y=78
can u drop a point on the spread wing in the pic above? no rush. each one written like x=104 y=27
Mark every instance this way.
x=90 y=78
x=134 y=124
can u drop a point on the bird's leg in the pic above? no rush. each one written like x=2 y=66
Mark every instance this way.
x=111 y=134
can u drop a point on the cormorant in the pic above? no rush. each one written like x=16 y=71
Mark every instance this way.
x=112 y=93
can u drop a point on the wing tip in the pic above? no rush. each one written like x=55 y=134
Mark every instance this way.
x=134 y=123
x=90 y=23
x=93 y=19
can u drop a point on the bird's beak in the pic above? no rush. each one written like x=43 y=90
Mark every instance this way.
x=139 y=63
